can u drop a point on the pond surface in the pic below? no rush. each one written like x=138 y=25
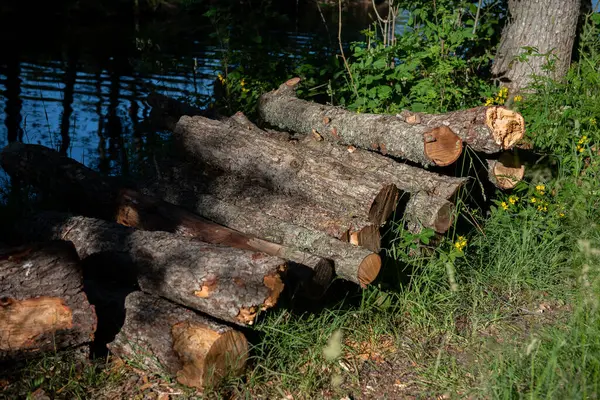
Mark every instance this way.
x=78 y=84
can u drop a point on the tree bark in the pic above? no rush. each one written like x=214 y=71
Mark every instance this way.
x=171 y=176
x=227 y=283
x=406 y=178
x=42 y=304
x=506 y=171
x=550 y=27
x=424 y=211
x=352 y=263
x=285 y=168
x=383 y=133
x=487 y=129
x=164 y=337
x=92 y=195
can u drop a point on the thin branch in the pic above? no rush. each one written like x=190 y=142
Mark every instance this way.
x=477 y=16
x=342 y=47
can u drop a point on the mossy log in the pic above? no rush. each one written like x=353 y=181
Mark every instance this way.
x=42 y=304
x=285 y=168
x=387 y=134
x=506 y=171
x=487 y=129
x=163 y=337
x=227 y=283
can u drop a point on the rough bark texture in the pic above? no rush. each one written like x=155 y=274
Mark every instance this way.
x=44 y=166
x=424 y=211
x=549 y=26
x=170 y=176
x=285 y=168
x=42 y=304
x=164 y=337
x=383 y=133
x=352 y=263
x=227 y=283
x=405 y=177
x=486 y=129
x=506 y=171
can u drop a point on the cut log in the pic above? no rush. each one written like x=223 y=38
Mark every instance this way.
x=285 y=168
x=486 y=129
x=227 y=283
x=164 y=337
x=424 y=211
x=506 y=171
x=386 y=134
x=406 y=178
x=104 y=199
x=42 y=304
x=179 y=178
x=352 y=263
x=131 y=209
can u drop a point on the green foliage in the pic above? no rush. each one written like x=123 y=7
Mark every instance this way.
x=437 y=64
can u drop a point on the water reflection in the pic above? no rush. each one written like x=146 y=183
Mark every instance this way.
x=80 y=89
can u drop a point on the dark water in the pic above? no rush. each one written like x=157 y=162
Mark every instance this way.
x=77 y=82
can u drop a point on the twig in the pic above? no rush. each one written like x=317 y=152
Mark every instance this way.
x=477 y=16
x=342 y=47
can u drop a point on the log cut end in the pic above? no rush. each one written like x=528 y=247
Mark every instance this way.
x=369 y=269
x=425 y=211
x=24 y=322
x=208 y=356
x=384 y=204
x=507 y=126
x=506 y=172
x=368 y=237
x=442 y=146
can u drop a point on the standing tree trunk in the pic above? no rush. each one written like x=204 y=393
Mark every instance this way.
x=550 y=26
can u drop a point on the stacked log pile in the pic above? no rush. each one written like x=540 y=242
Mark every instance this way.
x=211 y=231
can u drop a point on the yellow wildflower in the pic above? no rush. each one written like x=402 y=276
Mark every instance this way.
x=541 y=189
x=561 y=214
x=518 y=98
x=460 y=243
x=533 y=200
x=245 y=90
x=489 y=102
x=504 y=205
x=503 y=93
x=513 y=199
x=242 y=82
x=221 y=79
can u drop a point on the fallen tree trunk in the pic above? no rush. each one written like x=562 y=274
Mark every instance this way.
x=424 y=211
x=486 y=129
x=386 y=134
x=164 y=337
x=170 y=176
x=506 y=171
x=42 y=304
x=406 y=178
x=132 y=209
x=227 y=283
x=352 y=263
x=285 y=168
